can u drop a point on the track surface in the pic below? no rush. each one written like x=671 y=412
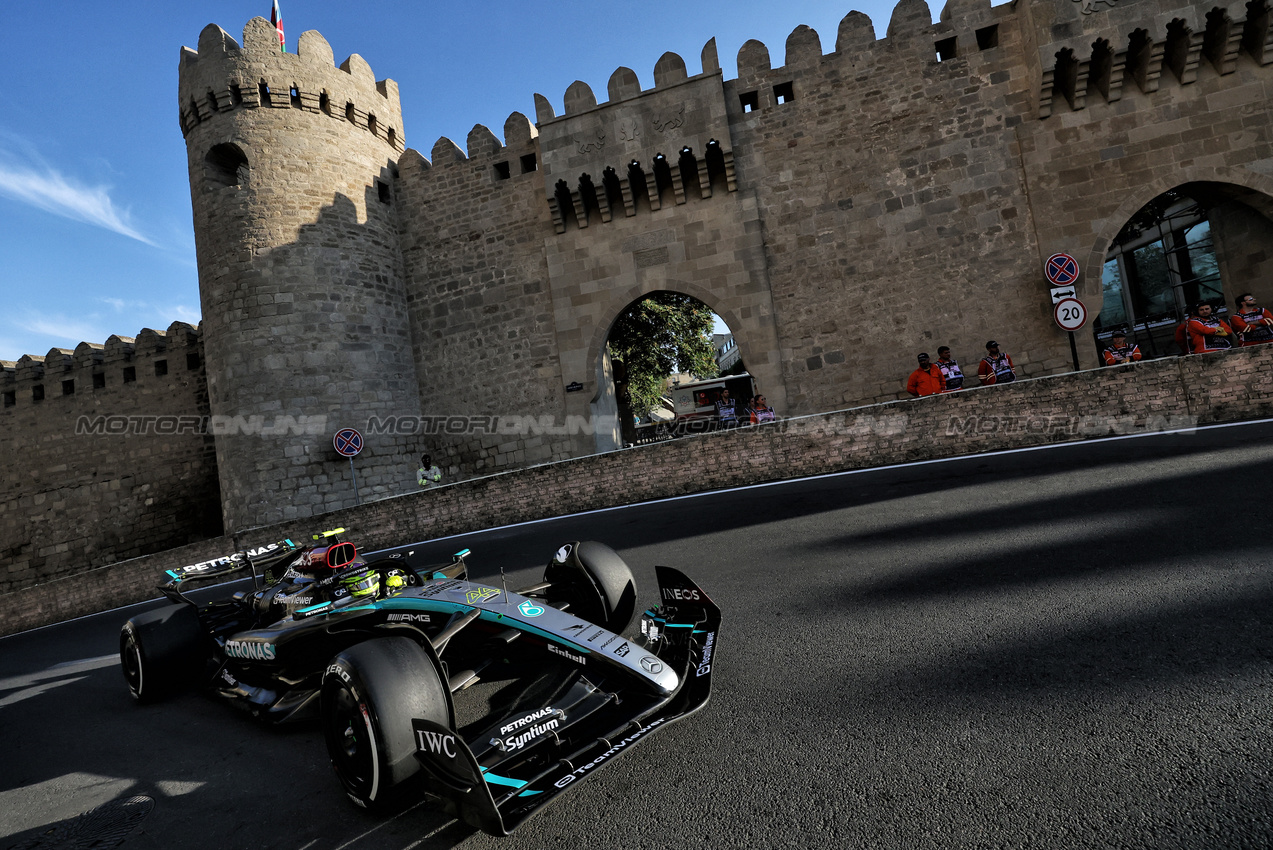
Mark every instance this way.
x=1058 y=648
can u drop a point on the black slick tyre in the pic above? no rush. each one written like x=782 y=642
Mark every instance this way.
x=162 y=652
x=370 y=694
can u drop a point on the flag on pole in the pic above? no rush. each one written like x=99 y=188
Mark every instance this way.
x=277 y=20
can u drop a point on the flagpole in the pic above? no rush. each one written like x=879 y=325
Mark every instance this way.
x=276 y=18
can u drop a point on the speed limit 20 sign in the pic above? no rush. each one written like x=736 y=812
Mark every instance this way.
x=1070 y=314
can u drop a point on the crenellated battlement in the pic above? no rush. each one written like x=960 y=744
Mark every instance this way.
x=1101 y=52
x=118 y=363
x=647 y=147
x=223 y=77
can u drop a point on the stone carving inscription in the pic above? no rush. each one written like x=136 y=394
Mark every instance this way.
x=666 y=125
x=1087 y=7
x=588 y=145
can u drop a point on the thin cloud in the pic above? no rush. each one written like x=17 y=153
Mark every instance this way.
x=62 y=331
x=141 y=309
x=48 y=190
x=33 y=331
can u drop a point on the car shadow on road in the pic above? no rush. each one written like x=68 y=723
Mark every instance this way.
x=218 y=777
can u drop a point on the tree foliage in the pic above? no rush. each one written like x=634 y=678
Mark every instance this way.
x=664 y=333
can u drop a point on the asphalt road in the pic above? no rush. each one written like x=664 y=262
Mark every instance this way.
x=1060 y=648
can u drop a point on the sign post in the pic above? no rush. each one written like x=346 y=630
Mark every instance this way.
x=1062 y=271
x=348 y=443
x=1070 y=315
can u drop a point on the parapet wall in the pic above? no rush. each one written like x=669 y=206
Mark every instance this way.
x=222 y=76
x=108 y=455
x=842 y=210
x=1154 y=395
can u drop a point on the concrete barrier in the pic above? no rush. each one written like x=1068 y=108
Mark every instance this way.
x=1143 y=397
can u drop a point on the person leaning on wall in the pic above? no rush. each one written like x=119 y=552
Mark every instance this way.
x=428 y=475
x=1252 y=323
x=1208 y=332
x=996 y=367
x=759 y=410
x=1120 y=350
x=927 y=379
x=950 y=370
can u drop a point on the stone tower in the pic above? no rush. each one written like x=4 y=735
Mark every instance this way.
x=300 y=272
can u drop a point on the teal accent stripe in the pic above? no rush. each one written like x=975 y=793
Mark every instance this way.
x=492 y=614
x=678 y=625
x=496 y=779
x=529 y=793
x=313 y=608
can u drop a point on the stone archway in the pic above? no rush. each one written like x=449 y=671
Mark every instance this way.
x=753 y=331
x=1240 y=181
x=1175 y=242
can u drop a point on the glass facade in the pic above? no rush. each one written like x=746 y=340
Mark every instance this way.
x=1161 y=262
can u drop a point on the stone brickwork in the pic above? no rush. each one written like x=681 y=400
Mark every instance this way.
x=1176 y=393
x=107 y=456
x=859 y=199
x=292 y=164
x=478 y=296
x=1127 y=119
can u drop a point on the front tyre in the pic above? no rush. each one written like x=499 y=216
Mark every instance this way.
x=370 y=694
x=596 y=582
x=162 y=652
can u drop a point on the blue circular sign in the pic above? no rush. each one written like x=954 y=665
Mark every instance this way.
x=348 y=442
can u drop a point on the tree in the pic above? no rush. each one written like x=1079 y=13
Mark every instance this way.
x=664 y=333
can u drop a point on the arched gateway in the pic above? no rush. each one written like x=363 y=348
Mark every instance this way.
x=841 y=210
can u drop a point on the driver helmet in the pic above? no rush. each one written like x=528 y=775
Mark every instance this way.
x=362 y=585
x=395 y=582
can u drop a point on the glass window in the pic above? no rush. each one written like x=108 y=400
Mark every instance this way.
x=1113 y=310
x=1156 y=294
x=1202 y=259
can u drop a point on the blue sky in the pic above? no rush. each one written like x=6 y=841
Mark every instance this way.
x=95 y=232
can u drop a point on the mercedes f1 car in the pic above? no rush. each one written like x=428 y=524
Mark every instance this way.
x=383 y=652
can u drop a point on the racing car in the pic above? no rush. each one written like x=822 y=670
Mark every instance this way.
x=383 y=652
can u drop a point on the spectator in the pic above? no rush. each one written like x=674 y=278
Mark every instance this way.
x=1120 y=351
x=950 y=370
x=726 y=409
x=1206 y=332
x=1182 y=336
x=428 y=475
x=760 y=411
x=996 y=367
x=926 y=380
x=1253 y=324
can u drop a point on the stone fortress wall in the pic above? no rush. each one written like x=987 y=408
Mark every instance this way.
x=107 y=456
x=292 y=162
x=841 y=211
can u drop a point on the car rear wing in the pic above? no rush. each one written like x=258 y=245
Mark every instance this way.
x=681 y=633
x=260 y=557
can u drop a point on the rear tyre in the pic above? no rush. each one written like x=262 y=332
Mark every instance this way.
x=370 y=693
x=162 y=652
x=596 y=582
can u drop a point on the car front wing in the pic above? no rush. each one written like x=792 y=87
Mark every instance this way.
x=680 y=633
